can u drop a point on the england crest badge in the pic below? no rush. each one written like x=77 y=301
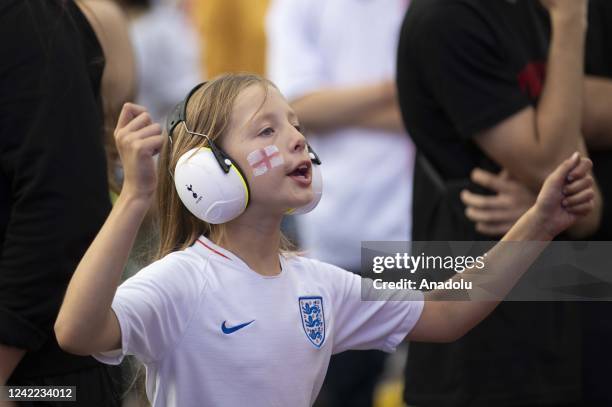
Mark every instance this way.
x=313 y=319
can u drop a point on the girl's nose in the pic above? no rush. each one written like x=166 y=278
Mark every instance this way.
x=298 y=143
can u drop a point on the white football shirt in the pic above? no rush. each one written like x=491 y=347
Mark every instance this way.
x=213 y=332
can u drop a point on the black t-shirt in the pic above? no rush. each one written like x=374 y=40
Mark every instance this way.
x=53 y=186
x=468 y=64
x=463 y=67
x=597 y=351
x=599 y=63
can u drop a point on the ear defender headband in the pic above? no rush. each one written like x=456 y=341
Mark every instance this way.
x=210 y=184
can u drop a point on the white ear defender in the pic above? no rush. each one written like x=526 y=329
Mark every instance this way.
x=206 y=190
x=210 y=184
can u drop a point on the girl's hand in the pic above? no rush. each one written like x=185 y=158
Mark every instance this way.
x=567 y=194
x=494 y=215
x=138 y=139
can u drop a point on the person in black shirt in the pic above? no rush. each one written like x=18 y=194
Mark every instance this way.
x=597 y=337
x=495 y=214
x=493 y=84
x=54 y=192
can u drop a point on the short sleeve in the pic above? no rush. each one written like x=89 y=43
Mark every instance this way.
x=462 y=63
x=294 y=62
x=154 y=308
x=361 y=325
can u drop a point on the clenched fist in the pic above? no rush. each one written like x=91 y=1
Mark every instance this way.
x=138 y=139
x=567 y=194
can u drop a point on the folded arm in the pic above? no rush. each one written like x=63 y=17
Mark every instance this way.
x=444 y=319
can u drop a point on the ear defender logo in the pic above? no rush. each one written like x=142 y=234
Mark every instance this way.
x=193 y=193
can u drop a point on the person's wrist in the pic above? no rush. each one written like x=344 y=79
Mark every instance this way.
x=133 y=197
x=539 y=224
x=574 y=19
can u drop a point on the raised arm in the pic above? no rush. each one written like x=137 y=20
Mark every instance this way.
x=558 y=206
x=86 y=323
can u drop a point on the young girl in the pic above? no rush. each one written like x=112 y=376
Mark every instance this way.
x=227 y=317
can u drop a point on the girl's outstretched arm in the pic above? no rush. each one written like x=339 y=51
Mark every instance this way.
x=566 y=195
x=86 y=323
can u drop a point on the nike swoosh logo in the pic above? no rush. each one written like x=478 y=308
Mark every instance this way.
x=231 y=329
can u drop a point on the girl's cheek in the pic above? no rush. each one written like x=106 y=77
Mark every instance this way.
x=264 y=159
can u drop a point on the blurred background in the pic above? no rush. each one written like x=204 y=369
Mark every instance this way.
x=389 y=132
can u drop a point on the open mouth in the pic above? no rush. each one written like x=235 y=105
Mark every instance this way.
x=301 y=174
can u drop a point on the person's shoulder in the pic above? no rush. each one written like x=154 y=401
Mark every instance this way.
x=433 y=27
x=444 y=14
x=110 y=24
x=102 y=14
x=314 y=268
x=183 y=266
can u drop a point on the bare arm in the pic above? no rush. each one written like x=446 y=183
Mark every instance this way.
x=111 y=28
x=86 y=323
x=597 y=120
x=329 y=109
x=519 y=159
x=596 y=124
x=494 y=215
x=543 y=137
x=444 y=320
x=9 y=359
x=386 y=118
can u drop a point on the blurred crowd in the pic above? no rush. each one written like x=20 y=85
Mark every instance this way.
x=434 y=120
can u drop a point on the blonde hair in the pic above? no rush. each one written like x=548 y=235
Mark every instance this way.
x=209 y=111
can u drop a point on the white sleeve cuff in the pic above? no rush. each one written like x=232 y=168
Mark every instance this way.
x=417 y=303
x=115 y=357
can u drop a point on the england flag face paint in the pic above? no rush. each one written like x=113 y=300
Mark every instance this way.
x=264 y=159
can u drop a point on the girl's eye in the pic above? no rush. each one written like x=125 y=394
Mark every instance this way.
x=298 y=127
x=268 y=131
